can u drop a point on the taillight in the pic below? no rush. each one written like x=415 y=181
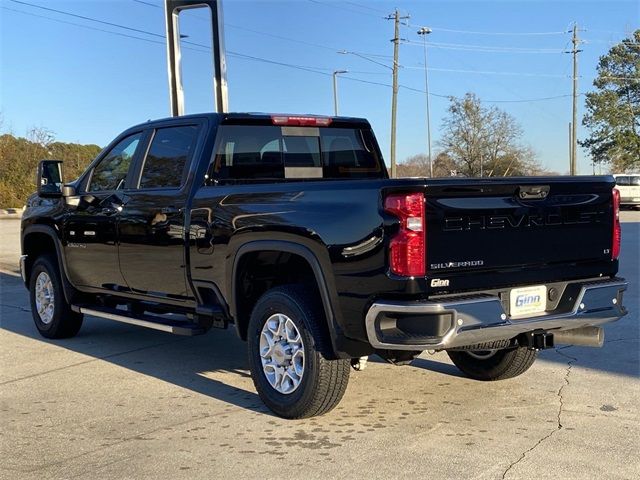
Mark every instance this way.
x=289 y=120
x=617 y=231
x=407 y=249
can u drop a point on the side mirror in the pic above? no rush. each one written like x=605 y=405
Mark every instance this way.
x=49 y=178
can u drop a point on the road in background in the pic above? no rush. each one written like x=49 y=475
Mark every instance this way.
x=124 y=402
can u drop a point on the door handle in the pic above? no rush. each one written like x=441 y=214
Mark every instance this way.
x=112 y=209
x=170 y=210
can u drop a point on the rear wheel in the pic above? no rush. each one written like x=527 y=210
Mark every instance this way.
x=51 y=312
x=491 y=365
x=286 y=340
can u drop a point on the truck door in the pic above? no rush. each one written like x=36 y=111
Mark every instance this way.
x=90 y=229
x=151 y=229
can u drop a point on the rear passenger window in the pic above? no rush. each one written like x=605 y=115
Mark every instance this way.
x=168 y=157
x=245 y=152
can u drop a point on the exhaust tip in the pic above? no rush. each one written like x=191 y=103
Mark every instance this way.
x=584 y=337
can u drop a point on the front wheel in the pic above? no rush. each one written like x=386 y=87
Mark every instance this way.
x=51 y=312
x=286 y=343
x=491 y=365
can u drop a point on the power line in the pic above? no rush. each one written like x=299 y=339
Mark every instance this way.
x=631 y=79
x=527 y=100
x=490 y=72
x=86 y=18
x=508 y=88
x=368 y=7
x=523 y=100
x=476 y=32
x=364 y=57
x=103 y=22
x=606 y=31
x=282 y=64
x=316 y=70
x=342 y=7
x=325 y=47
x=88 y=27
x=516 y=74
x=147 y=3
x=485 y=48
x=280 y=37
x=273 y=35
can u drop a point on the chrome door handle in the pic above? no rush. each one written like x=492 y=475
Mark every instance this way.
x=112 y=209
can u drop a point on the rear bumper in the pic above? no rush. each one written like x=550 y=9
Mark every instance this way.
x=473 y=319
x=629 y=200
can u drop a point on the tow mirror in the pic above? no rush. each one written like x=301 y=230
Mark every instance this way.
x=49 y=178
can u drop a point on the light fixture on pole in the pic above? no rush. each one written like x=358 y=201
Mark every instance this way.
x=424 y=31
x=335 y=89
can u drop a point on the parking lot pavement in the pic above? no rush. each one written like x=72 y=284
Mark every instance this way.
x=123 y=402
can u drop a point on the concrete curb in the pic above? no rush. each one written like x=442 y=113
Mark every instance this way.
x=11 y=213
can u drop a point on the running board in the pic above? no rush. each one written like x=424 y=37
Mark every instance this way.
x=148 y=321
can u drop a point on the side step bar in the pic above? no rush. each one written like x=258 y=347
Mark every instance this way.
x=149 y=321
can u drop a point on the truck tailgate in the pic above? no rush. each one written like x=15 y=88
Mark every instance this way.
x=518 y=223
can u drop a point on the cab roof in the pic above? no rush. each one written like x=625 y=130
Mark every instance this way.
x=259 y=118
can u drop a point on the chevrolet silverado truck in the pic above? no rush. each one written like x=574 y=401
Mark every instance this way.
x=289 y=228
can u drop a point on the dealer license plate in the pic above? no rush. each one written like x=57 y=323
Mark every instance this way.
x=528 y=300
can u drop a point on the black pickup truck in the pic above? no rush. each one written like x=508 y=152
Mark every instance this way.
x=288 y=228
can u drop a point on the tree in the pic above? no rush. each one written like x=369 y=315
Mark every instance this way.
x=19 y=158
x=485 y=141
x=613 y=109
x=418 y=166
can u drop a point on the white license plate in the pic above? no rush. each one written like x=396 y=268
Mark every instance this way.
x=528 y=300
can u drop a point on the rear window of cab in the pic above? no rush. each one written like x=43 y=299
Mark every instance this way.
x=246 y=152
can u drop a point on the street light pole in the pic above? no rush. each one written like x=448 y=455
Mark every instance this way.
x=424 y=31
x=335 y=90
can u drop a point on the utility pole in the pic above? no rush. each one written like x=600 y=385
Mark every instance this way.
x=335 y=90
x=394 y=95
x=570 y=146
x=574 y=126
x=424 y=31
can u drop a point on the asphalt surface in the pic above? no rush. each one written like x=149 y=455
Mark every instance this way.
x=124 y=402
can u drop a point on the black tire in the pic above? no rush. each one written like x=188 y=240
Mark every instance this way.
x=64 y=322
x=502 y=364
x=323 y=381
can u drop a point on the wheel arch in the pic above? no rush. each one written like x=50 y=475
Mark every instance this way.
x=280 y=247
x=38 y=240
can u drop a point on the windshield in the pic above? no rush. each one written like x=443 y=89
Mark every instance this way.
x=628 y=180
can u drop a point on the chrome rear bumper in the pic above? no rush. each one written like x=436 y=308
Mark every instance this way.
x=475 y=319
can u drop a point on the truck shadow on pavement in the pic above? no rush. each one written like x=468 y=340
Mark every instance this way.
x=214 y=364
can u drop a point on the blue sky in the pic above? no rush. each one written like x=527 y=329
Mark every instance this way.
x=87 y=85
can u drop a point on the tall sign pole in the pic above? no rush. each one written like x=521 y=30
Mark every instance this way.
x=174 y=59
